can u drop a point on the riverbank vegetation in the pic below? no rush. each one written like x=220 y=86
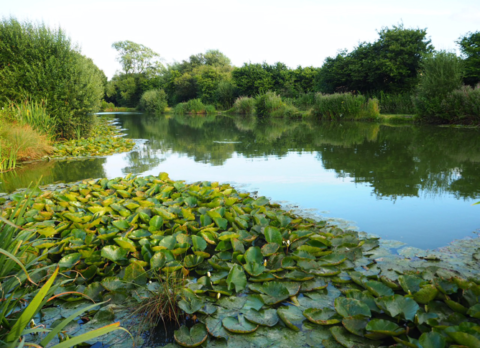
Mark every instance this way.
x=391 y=70
x=247 y=270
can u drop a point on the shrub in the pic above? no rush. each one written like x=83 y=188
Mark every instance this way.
x=345 y=105
x=225 y=94
x=244 y=105
x=180 y=109
x=268 y=103
x=463 y=103
x=153 y=101
x=195 y=106
x=210 y=110
x=106 y=106
x=440 y=75
x=40 y=64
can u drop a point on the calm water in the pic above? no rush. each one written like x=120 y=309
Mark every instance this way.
x=413 y=184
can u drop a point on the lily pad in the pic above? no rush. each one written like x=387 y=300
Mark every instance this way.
x=265 y=317
x=322 y=316
x=348 y=307
x=291 y=316
x=193 y=337
x=380 y=328
x=239 y=325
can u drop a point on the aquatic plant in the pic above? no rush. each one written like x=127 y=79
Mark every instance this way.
x=345 y=106
x=35 y=115
x=268 y=103
x=244 y=105
x=20 y=274
x=253 y=272
x=105 y=140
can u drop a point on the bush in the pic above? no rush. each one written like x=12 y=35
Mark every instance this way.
x=180 y=109
x=153 y=101
x=225 y=94
x=346 y=106
x=106 y=106
x=195 y=106
x=268 y=103
x=396 y=103
x=440 y=75
x=40 y=64
x=210 y=110
x=463 y=103
x=244 y=105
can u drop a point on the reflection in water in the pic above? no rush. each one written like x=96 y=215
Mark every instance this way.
x=398 y=182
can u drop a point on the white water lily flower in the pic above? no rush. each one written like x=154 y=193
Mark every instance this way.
x=209 y=274
x=265 y=262
x=218 y=295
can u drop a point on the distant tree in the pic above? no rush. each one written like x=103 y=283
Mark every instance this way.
x=390 y=64
x=136 y=58
x=470 y=47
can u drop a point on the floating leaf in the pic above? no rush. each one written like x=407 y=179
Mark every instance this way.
x=266 y=317
x=291 y=316
x=348 y=307
x=236 y=279
x=238 y=325
x=191 y=338
x=324 y=316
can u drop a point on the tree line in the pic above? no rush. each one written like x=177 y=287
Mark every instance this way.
x=390 y=65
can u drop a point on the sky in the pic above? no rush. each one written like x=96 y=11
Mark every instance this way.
x=298 y=32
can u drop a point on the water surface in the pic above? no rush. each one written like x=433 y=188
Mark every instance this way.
x=408 y=183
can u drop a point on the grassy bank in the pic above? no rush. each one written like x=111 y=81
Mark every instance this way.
x=243 y=265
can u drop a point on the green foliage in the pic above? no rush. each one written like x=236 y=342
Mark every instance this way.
x=390 y=64
x=35 y=115
x=470 y=48
x=441 y=74
x=225 y=94
x=345 y=106
x=137 y=58
x=462 y=105
x=244 y=105
x=153 y=101
x=268 y=103
x=55 y=73
x=395 y=103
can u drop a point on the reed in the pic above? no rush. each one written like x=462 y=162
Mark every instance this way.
x=244 y=105
x=345 y=106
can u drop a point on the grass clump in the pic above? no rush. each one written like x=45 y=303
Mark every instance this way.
x=153 y=101
x=268 y=103
x=396 y=103
x=345 y=106
x=244 y=105
x=194 y=107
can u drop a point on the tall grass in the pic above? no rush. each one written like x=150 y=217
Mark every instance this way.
x=463 y=105
x=303 y=101
x=396 y=103
x=195 y=107
x=27 y=143
x=345 y=106
x=244 y=105
x=35 y=115
x=268 y=103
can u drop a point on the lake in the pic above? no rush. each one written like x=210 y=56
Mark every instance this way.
x=414 y=184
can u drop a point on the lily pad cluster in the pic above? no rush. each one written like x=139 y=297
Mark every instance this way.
x=255 y=275
x=105 y=140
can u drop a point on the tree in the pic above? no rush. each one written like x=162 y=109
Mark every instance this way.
x=41 y=64
x=470 y=48
x=390 y=64
x=136 y=58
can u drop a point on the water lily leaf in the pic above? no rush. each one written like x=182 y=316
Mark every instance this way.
x=122 y=225
x=199 y=243
x=139 y=234
x=265 y=317
x=156 y=223
x=264 y=277
x=465 y=339
x=190 y=305
x=291 y=316
x=474 y=311
x=312 y=285
x=356 y=324
x=332 y=260
x=275 y=292
x=215 y=328
x=239 y=325
x=172 y=266
x=457 y=307
x=208 y=309
x=292 y=287
x=134 y=273
x=112 y=283
x=397 y=304
x=254 y=255
x=348 y=307
x=322 y=316
x=270 y=249
x=289 y=263
x=273 y=235
x=365 y=297
x=126 y=243
x=114 y=253
x=347 y=339
x=236 y=279
x=284 y=220
x=70 y=260
x=254 y=269
x=253 y=302
x=260 y=201
x=434 y=340
x=380 y=328
x=302 y=255
x=193 y=337
x=166 y=243
x=166 y=215
x=410 y=283
x=191 y=261
x=378 y=289
x=426 y=294
x=326 y=271
x=299 y=276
